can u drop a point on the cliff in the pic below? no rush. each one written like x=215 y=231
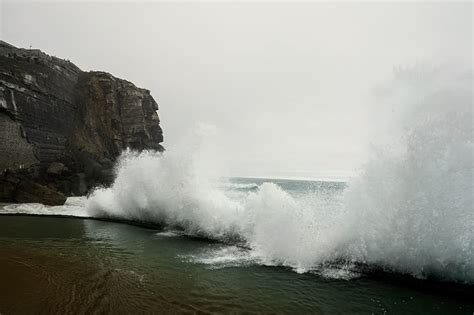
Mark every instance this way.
x=61 y=128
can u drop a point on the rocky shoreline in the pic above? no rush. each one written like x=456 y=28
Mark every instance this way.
x=61 y=129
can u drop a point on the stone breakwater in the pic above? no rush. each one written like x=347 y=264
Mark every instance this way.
x=61 y=129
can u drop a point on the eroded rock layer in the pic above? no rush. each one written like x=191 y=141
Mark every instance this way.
x=52 y=113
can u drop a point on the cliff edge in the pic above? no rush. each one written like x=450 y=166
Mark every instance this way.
x=61 y=128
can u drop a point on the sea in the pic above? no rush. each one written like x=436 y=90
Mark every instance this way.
x=276 y=248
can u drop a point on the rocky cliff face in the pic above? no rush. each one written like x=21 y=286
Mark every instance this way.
x=62 y=128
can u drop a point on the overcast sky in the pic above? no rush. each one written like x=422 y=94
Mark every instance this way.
x=286 y=86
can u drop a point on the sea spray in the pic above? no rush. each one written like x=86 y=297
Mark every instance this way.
x=410 y=211
x=164 y=189
x=167 y=189
x=173 y=188
x=412 y=208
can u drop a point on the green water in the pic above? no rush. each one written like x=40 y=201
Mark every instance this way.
x=80 y=266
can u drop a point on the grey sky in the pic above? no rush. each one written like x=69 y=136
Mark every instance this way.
x=287 y=86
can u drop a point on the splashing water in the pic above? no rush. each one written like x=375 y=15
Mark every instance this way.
x=412 y=208
x=410 y=211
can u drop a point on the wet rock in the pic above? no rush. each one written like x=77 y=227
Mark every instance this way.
x=28 y=191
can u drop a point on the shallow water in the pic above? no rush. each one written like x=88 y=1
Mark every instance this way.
x=66 y=265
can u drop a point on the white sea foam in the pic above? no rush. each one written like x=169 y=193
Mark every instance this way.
x=223 y=257
x=74 y=206
x=170 y=233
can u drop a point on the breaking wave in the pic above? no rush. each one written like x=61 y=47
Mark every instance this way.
x=409 y=211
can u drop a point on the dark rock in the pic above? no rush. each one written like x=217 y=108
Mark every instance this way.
x=92 y=169
x=106 y=163
x=28 y=191
x=56 y=168
x=78 y=184
x=107 y=176
x=7 y=190
x=65 y=127
x=116 y=115
x=64 y=186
